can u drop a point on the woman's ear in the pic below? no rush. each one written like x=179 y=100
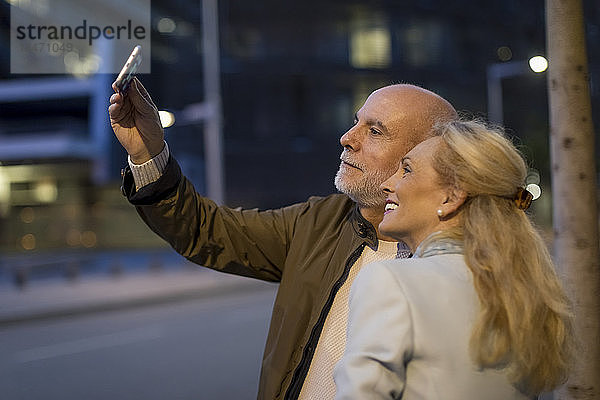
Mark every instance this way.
x=455 y=198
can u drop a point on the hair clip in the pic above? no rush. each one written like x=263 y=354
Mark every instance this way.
x=523 y=198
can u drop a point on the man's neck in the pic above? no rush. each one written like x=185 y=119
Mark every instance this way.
x=375 y=215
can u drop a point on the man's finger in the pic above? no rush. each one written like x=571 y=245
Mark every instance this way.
x=142 y=90
x=116 y=98
x=113 y=109
x=140 y=103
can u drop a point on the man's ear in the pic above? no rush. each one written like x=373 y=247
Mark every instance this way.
x=456 y=197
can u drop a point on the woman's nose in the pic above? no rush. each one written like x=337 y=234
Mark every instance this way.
x=386 y=186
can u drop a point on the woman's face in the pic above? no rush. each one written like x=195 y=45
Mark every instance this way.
x=414 y=194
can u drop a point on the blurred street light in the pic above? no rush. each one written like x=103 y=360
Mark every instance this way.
x=167 y=118
x=166 y=25
x=538 y=64
x=504 y=53
x=535 y=190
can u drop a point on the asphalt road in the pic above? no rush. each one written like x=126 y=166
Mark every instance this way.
x=197 y=349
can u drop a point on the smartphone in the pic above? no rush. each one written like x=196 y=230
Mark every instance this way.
x=129 y=69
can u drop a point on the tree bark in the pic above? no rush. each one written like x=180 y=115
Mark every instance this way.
x=574 y=192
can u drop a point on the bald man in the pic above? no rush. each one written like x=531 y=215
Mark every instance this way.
x=312 y=249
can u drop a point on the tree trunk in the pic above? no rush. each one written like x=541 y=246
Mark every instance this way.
x=574 y=188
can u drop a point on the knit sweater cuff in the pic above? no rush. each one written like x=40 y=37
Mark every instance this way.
x=151 y=170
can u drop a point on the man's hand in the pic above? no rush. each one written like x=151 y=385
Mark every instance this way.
x=135 y=121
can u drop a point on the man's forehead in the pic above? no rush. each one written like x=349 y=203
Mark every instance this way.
x=382 y=107
x=403 y=98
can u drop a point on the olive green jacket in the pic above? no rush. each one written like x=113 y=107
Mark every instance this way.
x=307 y=247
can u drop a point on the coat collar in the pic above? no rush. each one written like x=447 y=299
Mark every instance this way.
x=364 y=229
x=435 y=244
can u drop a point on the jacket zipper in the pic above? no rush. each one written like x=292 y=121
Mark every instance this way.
x=302 y=369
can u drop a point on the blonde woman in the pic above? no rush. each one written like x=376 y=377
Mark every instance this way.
x=478 y=312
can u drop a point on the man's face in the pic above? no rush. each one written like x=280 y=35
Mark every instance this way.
x=374 y=146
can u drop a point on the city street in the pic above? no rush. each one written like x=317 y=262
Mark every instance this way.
x=208 y=348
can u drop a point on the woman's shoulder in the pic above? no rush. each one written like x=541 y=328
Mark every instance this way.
x=434 y=271
x=441 y=264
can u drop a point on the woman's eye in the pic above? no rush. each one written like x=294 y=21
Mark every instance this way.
x=406 y=170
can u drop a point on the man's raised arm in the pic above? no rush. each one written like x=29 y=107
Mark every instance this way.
x=243 y=242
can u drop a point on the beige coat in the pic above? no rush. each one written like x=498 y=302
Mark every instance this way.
x=408 y=334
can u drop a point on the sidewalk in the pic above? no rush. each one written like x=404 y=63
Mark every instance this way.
x=46 y=299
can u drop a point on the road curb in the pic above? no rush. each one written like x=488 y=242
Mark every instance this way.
x=151 y=299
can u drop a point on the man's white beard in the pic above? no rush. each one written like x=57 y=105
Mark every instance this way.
x=366 y=190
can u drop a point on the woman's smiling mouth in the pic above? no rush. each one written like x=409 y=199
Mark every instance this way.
x=390 y=206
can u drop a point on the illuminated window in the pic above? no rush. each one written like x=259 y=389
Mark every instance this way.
x=370 y=47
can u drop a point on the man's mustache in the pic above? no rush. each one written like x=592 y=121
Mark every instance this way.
x=348 y=159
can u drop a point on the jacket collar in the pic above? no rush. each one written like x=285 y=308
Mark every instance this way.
x=364 y=229
x=433 y=246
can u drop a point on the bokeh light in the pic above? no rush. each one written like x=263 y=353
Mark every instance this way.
x=27 y=215
x=166 y=25
x=504 y=53
x=535 y=190
x=538 y=64
x=28 y=241
x=167 y=118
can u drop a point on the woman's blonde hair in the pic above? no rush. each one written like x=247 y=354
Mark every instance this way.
x=525 y=323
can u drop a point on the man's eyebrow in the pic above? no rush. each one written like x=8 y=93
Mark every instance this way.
x=371 y=121
x=404 y=159
x=381 y=125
